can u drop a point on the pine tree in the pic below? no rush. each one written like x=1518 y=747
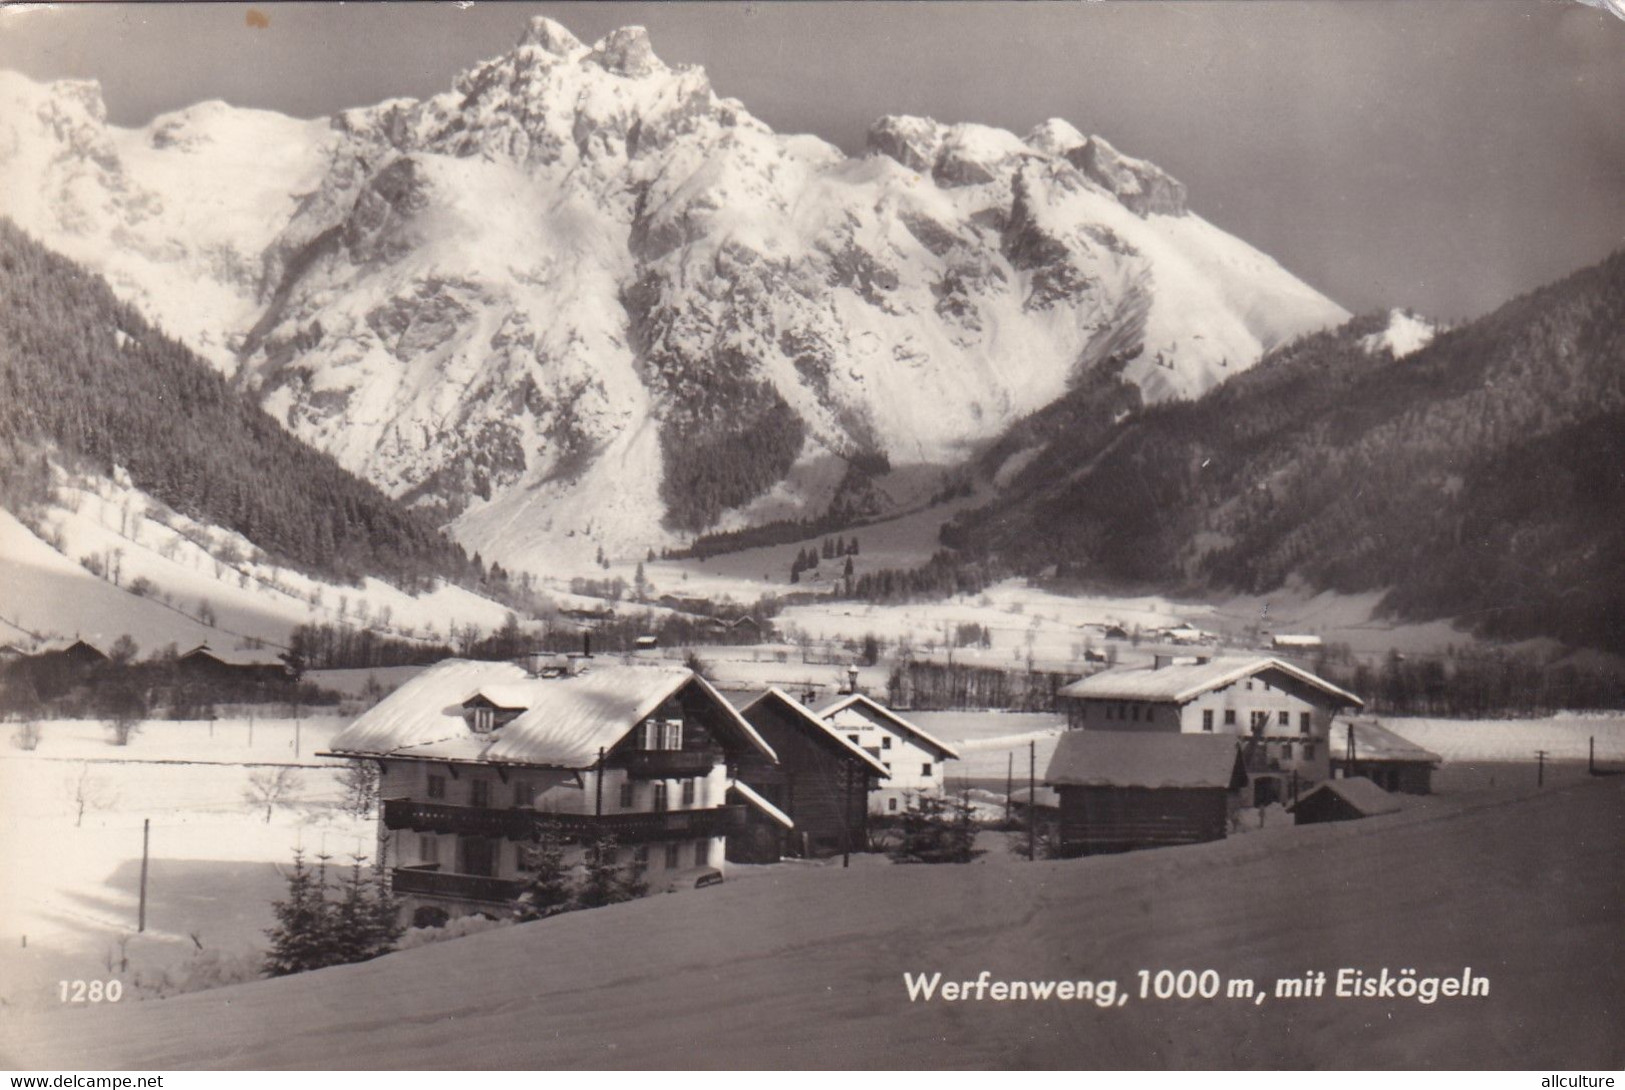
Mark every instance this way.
x=548 y=890
x=303 y=937
x=605 y=884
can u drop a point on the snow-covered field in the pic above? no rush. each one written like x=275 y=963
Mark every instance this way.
x=69 y=902
x=804 y=967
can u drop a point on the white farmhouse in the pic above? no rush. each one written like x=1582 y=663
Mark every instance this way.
x=914 y=761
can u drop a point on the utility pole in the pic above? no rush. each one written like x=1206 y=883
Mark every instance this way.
x=598 y=785
x=1009 y=784
x=1591 y=759
x=141 y=917
x=1540 y=768
x=1032 y=800
x=846 y=814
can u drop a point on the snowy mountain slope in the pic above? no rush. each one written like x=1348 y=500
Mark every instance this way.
x=176 y=214
x=580 y=301
x=166 y=578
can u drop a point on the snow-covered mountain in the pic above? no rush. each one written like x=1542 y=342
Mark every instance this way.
x=582 y=301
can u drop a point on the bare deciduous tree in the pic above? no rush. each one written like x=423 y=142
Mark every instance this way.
x=88 y=792
x=271 y=787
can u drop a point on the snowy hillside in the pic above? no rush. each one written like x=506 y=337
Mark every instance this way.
x=112 y=561
x=581 y=301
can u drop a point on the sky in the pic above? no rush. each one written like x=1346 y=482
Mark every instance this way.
x=1435 y=154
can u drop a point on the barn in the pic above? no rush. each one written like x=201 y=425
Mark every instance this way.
x=248 y=665
x=1364 y=747
x=1343 y=800
x=821 y=780
x=1121 y=790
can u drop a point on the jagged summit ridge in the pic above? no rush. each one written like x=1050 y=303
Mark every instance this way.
x=578 y=300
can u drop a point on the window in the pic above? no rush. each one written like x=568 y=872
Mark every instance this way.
x=1229 y=717
x=1136 y=713
x=628 y=795
x=1303 y=722
x=660 y=796
x=651 y=734
x=437 y=787
x=428 y=848
x=483 y=721
x=640 y=855
x=1260 y=720
x=524 y=793
x=1249 y=686
x=1122 y=711
x=1309 y=751
x=891 y=805
x=925 y=769
x=885 y=741
x=662 y=734
x=674 y=858
x=673 y=734
x=1284 y=719
x=702 y=853
x=1286 y=751
x=1207 y=720
x=688 y=792
x=479 y=793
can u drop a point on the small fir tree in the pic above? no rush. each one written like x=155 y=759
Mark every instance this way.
x=548 y=889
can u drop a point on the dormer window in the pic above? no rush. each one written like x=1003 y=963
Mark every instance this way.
x=483 y=720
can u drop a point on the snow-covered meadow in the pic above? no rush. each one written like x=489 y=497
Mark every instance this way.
x=74 y=808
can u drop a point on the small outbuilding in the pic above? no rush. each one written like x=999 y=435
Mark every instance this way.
x=1364 y=747
x=1121 y=790
x=1343 y=800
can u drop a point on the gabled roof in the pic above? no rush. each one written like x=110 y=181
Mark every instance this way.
x=1113 y=758
x=750 y=795
x=818 y=727
x=1358 y=792
x=1374 y=742
x=1179 y=684
x=870 y=704
x=566 y=720
x=238 y=656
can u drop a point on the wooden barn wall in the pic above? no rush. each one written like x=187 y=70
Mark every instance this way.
x=1140 y=815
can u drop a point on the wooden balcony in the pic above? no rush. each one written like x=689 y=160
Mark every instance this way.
x=429 y=879
x=663 y=764
x=434 y=817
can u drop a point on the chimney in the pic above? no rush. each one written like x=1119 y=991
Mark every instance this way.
x=1159 y=661
x=586 y=643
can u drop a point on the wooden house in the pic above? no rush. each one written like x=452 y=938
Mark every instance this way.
x=479 y=759
x=821 y=780
x=914 y=761
x=74 y=654
x=1364 y=747
x=1121 y=790
x=1343 y=800
x=1282 y=713
x=251 y=665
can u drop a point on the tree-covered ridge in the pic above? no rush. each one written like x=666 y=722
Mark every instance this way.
x=1479 y=477
x=85 y=374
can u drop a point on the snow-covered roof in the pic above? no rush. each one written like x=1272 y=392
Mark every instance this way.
x=566 y=720
x=1374 y=742
x=813 y=722
x=238 y=656
x=1358 y=792
x=750 y=795
x=1178 y=684
x=866 y=703
x=1111 y=758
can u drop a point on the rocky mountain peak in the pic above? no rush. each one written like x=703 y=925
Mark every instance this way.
x=912 y=141
x=626 y=52
x=550 y=37
x=1056 y=136
x=1143 y=187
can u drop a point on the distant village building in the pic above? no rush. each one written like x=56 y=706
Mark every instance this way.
x=1119 y=790
x=1186 y=633
x=480 y=758
x=1364 y=747
x=1281 y=713
x=821 y=781
x=239 y=664
x=1343 y=800
x=73 y=653
x=10 y=652
x=646 y=643
x=913 y=760
x=1286 y=642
